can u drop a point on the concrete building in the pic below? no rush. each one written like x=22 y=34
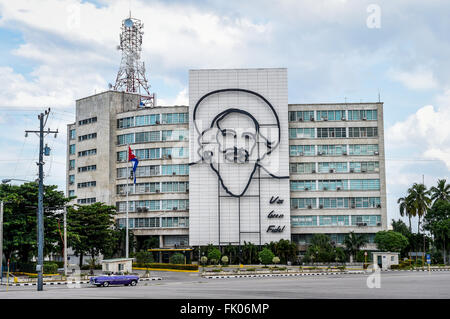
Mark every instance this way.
x=324 y=171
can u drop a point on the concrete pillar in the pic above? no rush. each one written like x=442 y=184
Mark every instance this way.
x=161 y=241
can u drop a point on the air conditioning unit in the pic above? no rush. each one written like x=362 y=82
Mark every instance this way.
x=309 y=206
x=174 y=173
x=331 y=170
x=312 y=119
x=325 y=118
x=343 y=118
x=71 y=183
x=338 y=188
x=352 y=170
x=319 y=153
x=364 y=118
x=300 y=154
x=378 y=205
x=344 y=153
x=295 y=207
x=139 y=209
x=363 y=170
x=353 y=206
x=145 y=209
x=378 y=224
x=313 y=171
x=376 y=169
x=376 y=153
x=306 y=188
x=300 y=119
x=325 y=188
x=170 y=156
x=175 y=208
x=320 y=206
x=157 y=122
x=157 y=191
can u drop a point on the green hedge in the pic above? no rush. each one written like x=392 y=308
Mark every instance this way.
x=166 y=266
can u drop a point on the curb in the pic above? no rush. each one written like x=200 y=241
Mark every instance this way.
x=387 y=270
x=69 y=282
x=283 y=275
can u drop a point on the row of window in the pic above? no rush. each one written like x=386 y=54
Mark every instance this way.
x=334 y=167
x=155 y=222
x=334 y=150
x=335 y=202
x=153 y=136
x=333 y=115
x=155 y=153
x=88 y=152
x=155 y=187
x=87 y=184
x=332 y=132
x=154 y=170
x=153 y=119
x=338 y=220
x=87 y=137
x=304 y=239
x=88 y=121
x=88 y=168
x=153 y=205
x=336 y=184
x=86 y=200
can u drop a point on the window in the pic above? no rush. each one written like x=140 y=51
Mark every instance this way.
x=87 y=137
x=125 y=139
x=363 y=149
x=71 y=193
x=175 y=204
x=362 y=132
x=333 y=167
x=301 y=133
x=141 y=171
x=87 y=168
x=182 y=169
x=86 y=200
x=297 y=221
x=175 y=135
x=174 y=152
x=300 y=203
x=175 y=187
x=71 y=179
x=302 y=150
x=144 y=120
x=72 y=149
x=334 y=220
x=174 y=118
x=366 y=220
x=330 y=115
x=331 y=132
x=147 y=153
x=302 y=167
x=87 y=184
x=72 y=134
x=363 y=167
x=334 y=202
x=303 y=185
x=333 y=184
x=87 y=121
x=331 y=149
x=71 y=164
x=125 y=122
x=365 y=202
x=87 y=153
x=358 y=115
x=364 y=184
x=152 y=136
x=180 y=222
x=299 y=116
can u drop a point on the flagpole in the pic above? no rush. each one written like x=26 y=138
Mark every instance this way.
x=128 y=177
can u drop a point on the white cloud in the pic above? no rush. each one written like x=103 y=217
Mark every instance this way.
x=419 y=79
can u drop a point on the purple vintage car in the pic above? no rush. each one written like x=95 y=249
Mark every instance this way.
x=107 y=280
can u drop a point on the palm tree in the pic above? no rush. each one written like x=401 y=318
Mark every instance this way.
x=406 y=208
x=441 y=192
x=353 y=243
x=421 y=200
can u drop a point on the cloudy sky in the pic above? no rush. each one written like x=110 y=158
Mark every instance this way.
x=54 y=52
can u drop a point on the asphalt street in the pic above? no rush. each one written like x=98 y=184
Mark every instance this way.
x=190 y=285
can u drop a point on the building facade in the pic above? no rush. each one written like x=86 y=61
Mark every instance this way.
x=318 y=168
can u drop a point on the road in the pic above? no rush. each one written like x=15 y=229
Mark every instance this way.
x=186 y=286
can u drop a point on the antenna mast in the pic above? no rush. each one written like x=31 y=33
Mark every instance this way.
x=131 y=76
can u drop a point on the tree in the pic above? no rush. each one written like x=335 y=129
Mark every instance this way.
x=249 y=253
x=320 y=249
x=144 y=257
x=353 y=243
x=91 y=229
x=441 y=192
x=266 y=256
x=20 y=220
x=437 y=222
x=390 y=241
x=406 y=208
x=177 y=258
x=214 y=255
x=420 y=200
x=225 y=260
x=286 y=250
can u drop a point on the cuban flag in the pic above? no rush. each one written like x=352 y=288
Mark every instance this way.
x=133 y=158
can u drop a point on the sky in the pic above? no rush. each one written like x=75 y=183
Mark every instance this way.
x=53 y=52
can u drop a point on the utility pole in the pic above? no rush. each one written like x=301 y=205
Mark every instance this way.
x=40 y=264
x=1 y=241
x=65 y=241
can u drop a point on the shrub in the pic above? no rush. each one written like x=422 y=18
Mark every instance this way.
x=214 y=255
x=50 y=268
x=224 y=260
x=250 y=269
x=203 y=260
x=217 y=270
x=276 y=260
x=266 y=256
x=167 y=266
x=177 y=258
x=395 y=266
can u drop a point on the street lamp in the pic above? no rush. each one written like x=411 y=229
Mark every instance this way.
x=8 y=180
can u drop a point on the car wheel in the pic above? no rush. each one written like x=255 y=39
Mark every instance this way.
x=133 y=282
x=105 y=284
